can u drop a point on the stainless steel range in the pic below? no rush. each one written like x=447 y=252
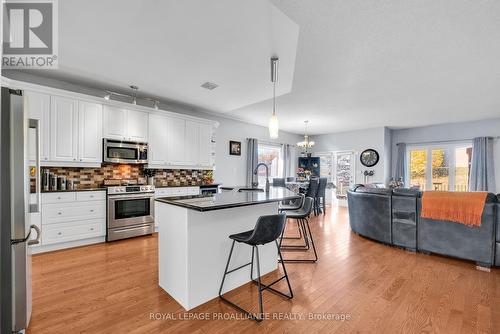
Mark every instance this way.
x=130 y=211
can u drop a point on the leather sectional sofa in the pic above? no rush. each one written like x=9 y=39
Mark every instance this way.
x=393 y=217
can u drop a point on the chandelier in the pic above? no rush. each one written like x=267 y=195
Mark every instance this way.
x=306 y=143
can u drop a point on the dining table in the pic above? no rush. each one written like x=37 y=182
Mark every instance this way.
x=302 y=186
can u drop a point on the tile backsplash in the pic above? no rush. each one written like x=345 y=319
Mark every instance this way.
x=95 y=177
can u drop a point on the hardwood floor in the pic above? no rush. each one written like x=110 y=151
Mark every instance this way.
x=112 y=288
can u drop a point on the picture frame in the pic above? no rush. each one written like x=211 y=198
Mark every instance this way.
x=234 y=147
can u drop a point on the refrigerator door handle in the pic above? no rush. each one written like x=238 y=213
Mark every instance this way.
x=19 y=241
x=38 y=235
x=35 y=124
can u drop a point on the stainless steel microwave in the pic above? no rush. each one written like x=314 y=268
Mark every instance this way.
x=125 y=152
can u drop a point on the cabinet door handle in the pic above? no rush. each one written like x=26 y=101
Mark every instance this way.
x=91 y=196
x=91 y=228
x=91 y=210
x=81 y=159
x=59 y=233
x=59 y=213
x=58 y=197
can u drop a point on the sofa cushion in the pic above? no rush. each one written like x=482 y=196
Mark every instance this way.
x=498 y=223
x=370 y=213
x=458 y=240
x=406 y=192
x=378 y=191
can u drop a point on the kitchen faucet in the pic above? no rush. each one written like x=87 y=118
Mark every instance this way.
x=255 y=184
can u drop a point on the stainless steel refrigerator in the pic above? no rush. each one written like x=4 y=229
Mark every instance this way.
x=17 y=234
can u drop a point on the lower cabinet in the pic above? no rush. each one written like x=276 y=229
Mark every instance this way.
x=177 y=191
x=72 y=216
x=63 y=232
x=174 y=192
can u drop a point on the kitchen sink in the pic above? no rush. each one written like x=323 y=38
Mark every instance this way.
x=250 y=189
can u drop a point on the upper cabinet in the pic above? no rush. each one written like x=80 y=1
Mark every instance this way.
x=89 y=132
x=72 y=128
x=176 y=135
x=75 y=131
x=38 y=106
x=137 y=126
x=158 y=139
x=63 y=129
x=175 y=142
x=206 y=145
x=114 y=123
x=191 y=147
x=124 y=124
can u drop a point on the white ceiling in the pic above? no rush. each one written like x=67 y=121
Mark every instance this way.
x=363 y=64
x=170 y=47
x=344 y=65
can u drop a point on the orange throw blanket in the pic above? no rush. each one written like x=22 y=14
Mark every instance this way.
x=460 y=207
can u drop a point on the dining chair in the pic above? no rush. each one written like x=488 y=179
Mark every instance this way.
x=312 y=191
x=279 y=182
x=320 y=200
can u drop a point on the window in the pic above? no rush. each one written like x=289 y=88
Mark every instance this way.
x=443 y=167
x=270 y=155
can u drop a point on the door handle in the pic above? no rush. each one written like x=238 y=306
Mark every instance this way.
x=38 y=235
x=35 y=124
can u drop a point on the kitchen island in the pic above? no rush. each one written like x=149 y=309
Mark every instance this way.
x=193 y=241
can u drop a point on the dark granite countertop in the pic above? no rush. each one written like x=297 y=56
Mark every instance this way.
x=191 y=185
x=77 y=190
x=229 y=199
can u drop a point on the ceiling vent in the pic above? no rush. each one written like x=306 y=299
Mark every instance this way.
x=209 y=85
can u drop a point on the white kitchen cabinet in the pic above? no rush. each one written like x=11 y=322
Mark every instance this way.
x=179 y=143
x=72 y=216
x=124 y=124
x=205 y=145
x=158 y=139
x=191 y=143
x=38 y=106
x=90 y=132
x=176 y=134
x=114 y=123
x=137 y=126
x=174 y=192
x=63 y=129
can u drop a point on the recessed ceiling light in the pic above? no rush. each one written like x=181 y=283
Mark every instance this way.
x=209 y=85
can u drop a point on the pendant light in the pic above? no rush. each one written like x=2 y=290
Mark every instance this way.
x=273 y=121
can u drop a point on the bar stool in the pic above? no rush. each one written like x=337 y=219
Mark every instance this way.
x=295 y=205
x=301 y=215
x=267 y=229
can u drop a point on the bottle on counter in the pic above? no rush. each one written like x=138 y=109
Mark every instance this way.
x=46 y=180
x=53 y=181
x=61 y=182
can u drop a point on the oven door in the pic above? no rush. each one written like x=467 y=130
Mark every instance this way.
x=126 y=210
x=122 y=152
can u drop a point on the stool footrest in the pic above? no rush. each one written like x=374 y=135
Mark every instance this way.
x=242 y=266
x=268 y=287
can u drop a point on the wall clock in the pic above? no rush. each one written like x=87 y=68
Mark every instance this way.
x=369 y=157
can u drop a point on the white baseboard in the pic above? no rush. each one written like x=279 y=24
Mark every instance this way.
x=65 y=245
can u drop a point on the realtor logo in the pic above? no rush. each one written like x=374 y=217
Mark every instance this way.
x=30 y=34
